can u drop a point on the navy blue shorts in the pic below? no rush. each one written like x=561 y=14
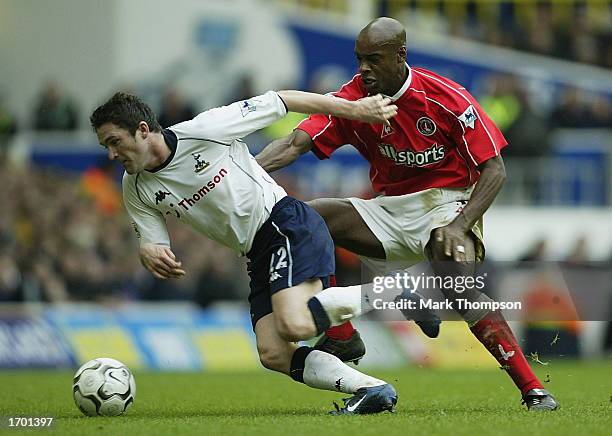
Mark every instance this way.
x=291 y=247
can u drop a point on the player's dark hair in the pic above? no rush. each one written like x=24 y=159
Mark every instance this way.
x=125 y=111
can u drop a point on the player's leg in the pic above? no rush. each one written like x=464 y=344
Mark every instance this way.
x=368 y=228
x=445 y=266
x=347 y=227
x=310 y=310
x=294 y=321
x=301 y=315
x=275 y=353
x=350 y=232
x=321 y=370
x=278 y=353
x=298 y=259
x=342 y=340
x=306 y=310
x=490 y=327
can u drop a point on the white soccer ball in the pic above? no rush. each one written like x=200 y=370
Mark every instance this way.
x=104 y=387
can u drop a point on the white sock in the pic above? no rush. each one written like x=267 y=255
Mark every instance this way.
x=325 y=371
x=341 y=303
x=344 y=303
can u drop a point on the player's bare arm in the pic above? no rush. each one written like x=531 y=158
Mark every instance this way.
x=375 y=110
x=160 y=261
x=451 y=239
x=284 y=151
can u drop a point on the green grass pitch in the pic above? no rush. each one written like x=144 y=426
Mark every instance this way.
x=431 y=401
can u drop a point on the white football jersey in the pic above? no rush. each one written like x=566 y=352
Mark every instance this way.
x=210 y=181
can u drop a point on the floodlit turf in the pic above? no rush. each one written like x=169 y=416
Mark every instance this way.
x=430 y=402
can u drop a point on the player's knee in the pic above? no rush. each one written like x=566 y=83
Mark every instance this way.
x=272 y=358
x=295 y=328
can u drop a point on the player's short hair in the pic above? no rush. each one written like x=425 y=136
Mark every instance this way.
x=125 y=111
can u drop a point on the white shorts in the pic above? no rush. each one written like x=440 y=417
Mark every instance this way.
x=403 y=224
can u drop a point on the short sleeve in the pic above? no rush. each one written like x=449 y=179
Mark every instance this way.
x=326 y=132
x=235 y=121
x=149 y=224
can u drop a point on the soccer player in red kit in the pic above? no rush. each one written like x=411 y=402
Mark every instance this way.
x=439 y=167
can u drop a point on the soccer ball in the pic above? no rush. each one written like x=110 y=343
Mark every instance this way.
x=103 y=386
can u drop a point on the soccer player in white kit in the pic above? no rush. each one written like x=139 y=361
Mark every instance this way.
x=201 y=173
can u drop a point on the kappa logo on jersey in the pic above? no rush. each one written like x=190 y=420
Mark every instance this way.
x=160 y=196
x=468 y=117
x=246 y=107
x=410 y=158
x=426 y=126
x=386 y=131
x=199 y=165
x=274 y=276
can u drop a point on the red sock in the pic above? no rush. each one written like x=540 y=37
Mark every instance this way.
x=495 y=334
x=341 y=332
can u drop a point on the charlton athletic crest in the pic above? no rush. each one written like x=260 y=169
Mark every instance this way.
x=426 y=126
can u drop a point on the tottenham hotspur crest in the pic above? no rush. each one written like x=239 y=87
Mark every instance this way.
x=199 y=165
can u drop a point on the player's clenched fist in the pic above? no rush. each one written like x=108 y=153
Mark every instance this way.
x=160 y=261
x=376 y=109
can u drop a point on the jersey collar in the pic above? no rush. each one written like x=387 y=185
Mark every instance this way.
x=404 y=87
x=172 y=142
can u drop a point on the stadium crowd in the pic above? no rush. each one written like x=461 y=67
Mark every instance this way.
x=574 y=33
x=574 y=30
x=65 y=237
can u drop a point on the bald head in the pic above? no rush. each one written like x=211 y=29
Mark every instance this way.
x=381 y=52
x=384 y=31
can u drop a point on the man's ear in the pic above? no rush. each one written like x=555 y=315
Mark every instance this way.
x=143 y=128
x=401 y=54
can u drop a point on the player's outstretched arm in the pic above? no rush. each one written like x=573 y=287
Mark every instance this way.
x=375 y=109
x=160 y=261
x=283 y=151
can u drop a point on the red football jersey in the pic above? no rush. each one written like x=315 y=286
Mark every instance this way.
x=437 y=139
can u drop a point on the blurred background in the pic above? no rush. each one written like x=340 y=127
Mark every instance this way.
x=71 y=286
